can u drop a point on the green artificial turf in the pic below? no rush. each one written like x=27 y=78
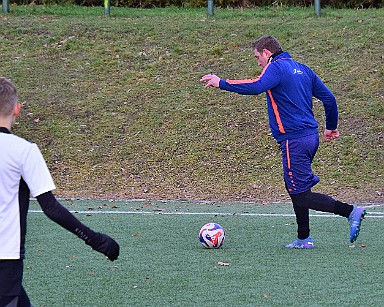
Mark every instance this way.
x=162 y=262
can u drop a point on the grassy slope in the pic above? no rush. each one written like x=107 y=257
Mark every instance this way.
x=117 y=109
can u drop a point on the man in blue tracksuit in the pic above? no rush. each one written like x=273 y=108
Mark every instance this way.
x=289 y=88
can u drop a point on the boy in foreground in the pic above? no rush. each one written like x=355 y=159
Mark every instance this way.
x=23 y=171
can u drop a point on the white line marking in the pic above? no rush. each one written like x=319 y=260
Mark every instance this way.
x=369 y=214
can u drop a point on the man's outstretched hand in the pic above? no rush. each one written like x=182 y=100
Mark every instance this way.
x=210 y=80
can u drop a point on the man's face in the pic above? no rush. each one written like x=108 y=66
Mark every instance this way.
x=263 y=57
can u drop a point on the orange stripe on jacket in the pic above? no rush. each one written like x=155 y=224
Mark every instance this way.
x=274 y=105
x=276 y=112
x=242 y=81
x=247 y=80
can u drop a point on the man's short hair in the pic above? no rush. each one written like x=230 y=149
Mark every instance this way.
x=267 y=42
x=8 y=97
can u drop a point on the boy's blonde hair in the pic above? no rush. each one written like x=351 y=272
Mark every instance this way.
x=8 y=97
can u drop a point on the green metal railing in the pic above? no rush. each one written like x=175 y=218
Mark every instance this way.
x=107 y=7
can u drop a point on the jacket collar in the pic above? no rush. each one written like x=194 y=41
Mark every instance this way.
x=279 y=55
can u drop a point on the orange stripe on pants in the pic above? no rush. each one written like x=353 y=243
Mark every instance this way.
x=288 y=158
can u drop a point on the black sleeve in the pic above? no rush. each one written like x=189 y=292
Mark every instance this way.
x=98 y=241
x=59 y=214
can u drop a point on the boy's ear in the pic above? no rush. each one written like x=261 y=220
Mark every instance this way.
x=16 y=110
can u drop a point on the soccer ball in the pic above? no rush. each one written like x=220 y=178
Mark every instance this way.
x=212 y=235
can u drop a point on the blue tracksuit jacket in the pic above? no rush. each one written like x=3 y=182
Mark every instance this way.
x=289 y=88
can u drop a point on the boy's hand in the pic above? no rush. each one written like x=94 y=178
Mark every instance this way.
x=105 y=245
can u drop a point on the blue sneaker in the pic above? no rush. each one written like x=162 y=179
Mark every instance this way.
x=355 y=219
x=302 y=244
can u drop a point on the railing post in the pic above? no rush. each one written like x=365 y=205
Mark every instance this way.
x=107 y=7
x=5 y=6
x=317 y=7
x=210 y=7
